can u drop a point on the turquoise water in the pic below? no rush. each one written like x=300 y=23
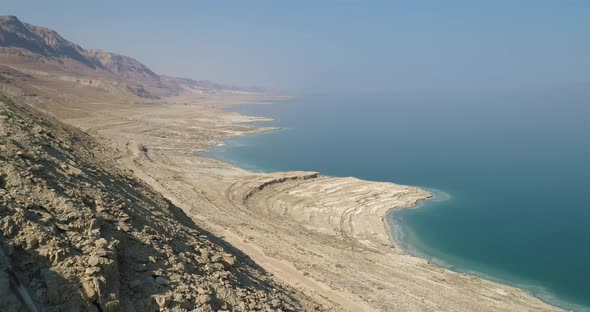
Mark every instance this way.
x=511 y=172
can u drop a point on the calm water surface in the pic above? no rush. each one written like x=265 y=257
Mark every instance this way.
x=511 y=172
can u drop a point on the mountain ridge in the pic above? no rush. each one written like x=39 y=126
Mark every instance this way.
x=31 y=44
x=49 y=43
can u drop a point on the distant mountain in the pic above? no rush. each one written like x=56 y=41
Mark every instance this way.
x=39 y=46
x=40 y=40
x=48 y=43
x=207 y=85
x=123 y=66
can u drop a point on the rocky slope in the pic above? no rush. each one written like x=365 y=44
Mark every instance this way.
x=48 y=43
x=40 y=40
x=23 y=45
x=79 y=234
x=123 y=66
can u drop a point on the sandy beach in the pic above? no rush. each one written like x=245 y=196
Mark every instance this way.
x=323 y=235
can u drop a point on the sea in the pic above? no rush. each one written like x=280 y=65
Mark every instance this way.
x=510 y=171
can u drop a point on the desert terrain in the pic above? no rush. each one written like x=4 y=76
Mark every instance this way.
x=309 y=241
x=323 y=235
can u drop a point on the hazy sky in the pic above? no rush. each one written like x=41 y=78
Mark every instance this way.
x=337 y=45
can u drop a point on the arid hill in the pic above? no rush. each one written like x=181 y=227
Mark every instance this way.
x=79 y=234
x=43 y=50
x=42 y=41
x=118 y=211
x=123 y=66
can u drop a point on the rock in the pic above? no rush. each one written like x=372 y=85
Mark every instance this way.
x=94 y=260
x=204 y=253
x=216 y=258
x=37 y=167
x=179 y=267
x=163 y=300
x=275 y=303
x=202 y=299
x=79 y=243
x=124 y=227
x=228 y=261
x=32 y=243
x=91 y=271
x=113 y=305
x=182 y=301
x=94 y=225
x=88 y=291
x=101 y=243
x=63 y=227
x=204 y=308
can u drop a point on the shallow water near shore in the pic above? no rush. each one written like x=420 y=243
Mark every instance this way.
x=513 y=167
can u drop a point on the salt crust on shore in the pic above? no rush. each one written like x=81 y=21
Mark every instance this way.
x=324 y=235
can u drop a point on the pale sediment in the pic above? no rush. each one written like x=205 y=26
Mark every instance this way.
x=79 y=233
x=323 y=235
x=349 y=208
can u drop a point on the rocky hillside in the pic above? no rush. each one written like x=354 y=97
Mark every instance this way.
x=48 y=43
x=123 y=66
x=79 y=234
x=35 y=47
x=40 y=40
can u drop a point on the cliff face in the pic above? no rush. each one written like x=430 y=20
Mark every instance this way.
x=79 y=234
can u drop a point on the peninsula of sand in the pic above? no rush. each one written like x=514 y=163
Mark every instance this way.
x=323 y=236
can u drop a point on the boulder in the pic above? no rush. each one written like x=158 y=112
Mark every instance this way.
x=162 y=300
x=88 y=291
x=203 y=299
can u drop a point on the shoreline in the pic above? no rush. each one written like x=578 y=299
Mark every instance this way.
x=394 y=236
x=397 y=239
x=306 y=229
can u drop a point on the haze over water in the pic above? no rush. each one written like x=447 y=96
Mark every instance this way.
x=514 y=165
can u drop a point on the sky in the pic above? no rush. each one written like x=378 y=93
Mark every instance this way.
x=337 y=46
